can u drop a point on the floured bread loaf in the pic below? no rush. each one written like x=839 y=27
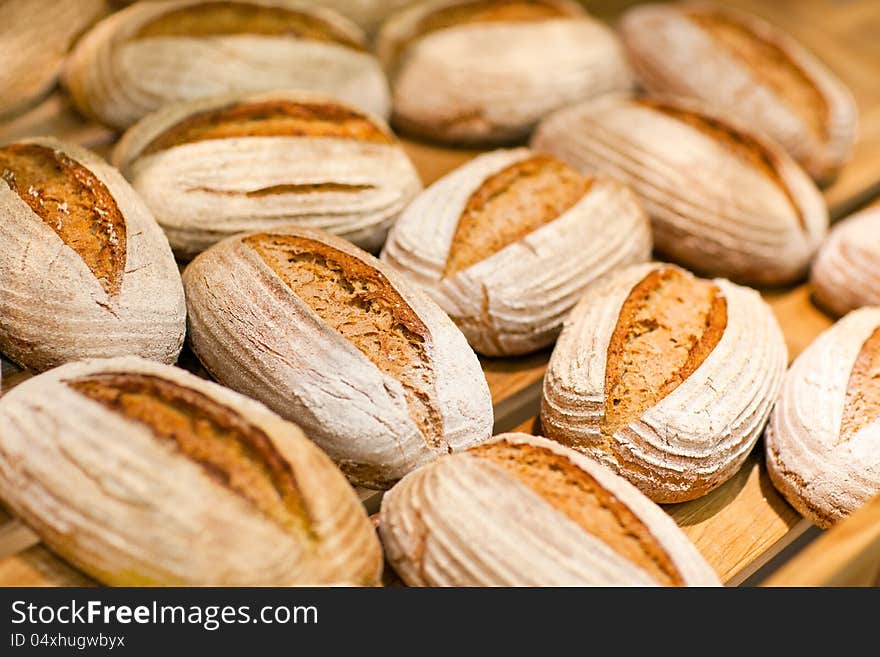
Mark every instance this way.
x=84 y=270
x=738 y=62
x=142 y=474
x=524 y=511
x=846 y=273
x=665 y=378
x=325 y=334
x=823 y=440
x=155 y=53
x=507 y=243
x=213 y=168
x=722 y=200
x=485 y=71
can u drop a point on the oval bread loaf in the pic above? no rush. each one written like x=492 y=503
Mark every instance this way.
x=155 y=53
x=143 y=474
x=506 y=244
x=35 y=36
x=213 y=168
x=823 y=440
x=738 y=62
x=485 y=71
x=84 y=269
x=524 y=511
x=322 y=332
x=722 y=200
x=846 y=273
x=665 y=378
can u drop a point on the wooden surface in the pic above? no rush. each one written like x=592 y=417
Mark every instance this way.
x=846 y=555
x=737 y=527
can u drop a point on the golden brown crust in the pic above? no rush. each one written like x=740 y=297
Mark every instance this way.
x=510 y=204
x=224 y=18
x=862 y=405
x=232 y=450
x=744 y=146
x=74 y=203
x=277 y=118
x=770 y=63
x=361 y=304
x=667 y=327
x=575 y=493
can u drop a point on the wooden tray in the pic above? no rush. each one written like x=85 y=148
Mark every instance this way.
x=744 y=523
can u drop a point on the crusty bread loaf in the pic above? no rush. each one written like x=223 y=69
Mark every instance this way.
x=34 y=38
x=823 y=440
x=129 y=64
x=213 y=168
x=736 y=61
x=330 y=338
x=846 y=273
x=84 y=269
x=524 y=511
x=665 y=378
x=143 y=474
x=507 y=243
x=485 y=71
x=723 y=200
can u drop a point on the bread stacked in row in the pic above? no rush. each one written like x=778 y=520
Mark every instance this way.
x=266 y=168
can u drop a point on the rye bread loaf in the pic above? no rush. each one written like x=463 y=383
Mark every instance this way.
x=213 y=168
x=329 y=337
x=666 y=378
x=143 y=474
x=34 y=38
x=723 y=201
x=823 y=439
x=155 y=53
x=524 y=511
x=85 y=271
x=485 y=71
x=846 y=273
x=507 y=243
x=736 y=61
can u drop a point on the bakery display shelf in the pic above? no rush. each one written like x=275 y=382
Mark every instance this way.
x=739 y=526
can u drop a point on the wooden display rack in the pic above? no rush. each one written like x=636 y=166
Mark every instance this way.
x=738 y=527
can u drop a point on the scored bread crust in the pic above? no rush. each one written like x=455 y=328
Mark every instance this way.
x=129 y=508
x=697 y=436
x=846 y=272
x=199 y=191
x=464 y=521
x=54 y=309
x=117 y=79
x=825 y=475
x=515 y=300
x=445 y=87
x=35 y=36
x=254 y=334
x=672 y=54
x=695 y=193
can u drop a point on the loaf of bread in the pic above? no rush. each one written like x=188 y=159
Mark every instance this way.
x=738 y=62
x=723 y=201
x=34 y=38
x=665 y=378
x=485 y=71
x=846 y=273
x=823 y=439
x=332 y=339
x=213 y=168
x=143 y=474
x=507 y=243
x=85 y=271
x=154 y=53
x=524 y=511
